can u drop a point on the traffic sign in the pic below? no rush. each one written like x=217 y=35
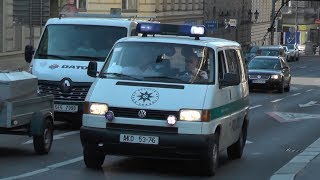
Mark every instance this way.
x=211 y=25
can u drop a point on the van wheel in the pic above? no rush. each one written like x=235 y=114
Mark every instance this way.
x=92 y=158
x=42 y=144
x=235 y=151
x=210 y=162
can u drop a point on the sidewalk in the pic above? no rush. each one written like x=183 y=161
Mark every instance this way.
x=304 y=166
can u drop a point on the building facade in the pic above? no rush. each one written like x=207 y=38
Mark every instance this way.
x=250 y=17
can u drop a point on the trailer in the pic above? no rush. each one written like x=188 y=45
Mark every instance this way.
x=25 y=112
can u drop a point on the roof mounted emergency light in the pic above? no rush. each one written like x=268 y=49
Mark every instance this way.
x=61 y=15
x=170 y=29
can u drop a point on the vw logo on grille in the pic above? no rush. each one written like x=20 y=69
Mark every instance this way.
x=142 y=113
x=66 y=85
x=259 y=77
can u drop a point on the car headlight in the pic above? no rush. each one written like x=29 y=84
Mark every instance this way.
x=190 y=115
x=97 y=108
x=275 y=76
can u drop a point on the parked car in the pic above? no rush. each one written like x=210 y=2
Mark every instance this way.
x=302 y=48
x=269 y=72
x=293 y=52
x=251 y=53
x=272 y=50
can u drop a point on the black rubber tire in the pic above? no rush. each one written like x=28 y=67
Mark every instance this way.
x=42 y=144
x=210 y=161
x=281 y=88
x=235 y=151
x=92 y=158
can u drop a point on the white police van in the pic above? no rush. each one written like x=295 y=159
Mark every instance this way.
x=167 y=96
x=66 y=46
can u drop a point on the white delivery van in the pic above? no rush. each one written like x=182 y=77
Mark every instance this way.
x=61 y=58
x=168 y=95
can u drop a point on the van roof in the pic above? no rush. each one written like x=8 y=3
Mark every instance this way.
x=271 y=47
x=92 y=21
x=181 y=40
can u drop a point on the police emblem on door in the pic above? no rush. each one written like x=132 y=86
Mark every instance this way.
x=145 y=97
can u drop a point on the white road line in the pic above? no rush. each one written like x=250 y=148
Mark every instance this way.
x=248 y=142
x=309 y=90
x=277 y=100
x=296 y=94
x=56 y=137
x=253 y=107
x=48 y=168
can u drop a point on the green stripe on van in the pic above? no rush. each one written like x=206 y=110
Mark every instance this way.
x=229 y=108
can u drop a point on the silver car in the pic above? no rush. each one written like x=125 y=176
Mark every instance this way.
x=293 y=52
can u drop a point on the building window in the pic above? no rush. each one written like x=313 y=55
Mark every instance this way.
x=72 y=5
x=131 y=5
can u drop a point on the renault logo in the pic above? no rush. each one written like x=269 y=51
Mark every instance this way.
x=142 y=113
x=259 y=77
x=66 y=85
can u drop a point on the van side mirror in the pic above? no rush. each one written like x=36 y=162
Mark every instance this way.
x=28 y=53
x=92 y=69
x=230 y=79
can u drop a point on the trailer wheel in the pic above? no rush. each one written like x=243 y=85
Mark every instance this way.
x=42 y=144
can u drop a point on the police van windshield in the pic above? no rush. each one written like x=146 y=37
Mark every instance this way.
x=78 y=42
x=160 y=62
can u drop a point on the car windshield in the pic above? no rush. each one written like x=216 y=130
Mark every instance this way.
x=260 y=63
x=159 y=62
x=268 y=52
x=78 y=42
x=253 y=49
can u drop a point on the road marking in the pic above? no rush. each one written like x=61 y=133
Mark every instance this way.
x=291 y=117
x=311 y=103
x=48 y=168
x=253 y=107
x=56 y=137
x=296 y=94
x=248 y=142
x=309 y=90
x=277 y=100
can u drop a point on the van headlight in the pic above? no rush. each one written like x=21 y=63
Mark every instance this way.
x=190 y=115
x=275 y=76
x=95 y=108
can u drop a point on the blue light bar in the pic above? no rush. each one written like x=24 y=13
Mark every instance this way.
x=170 y=29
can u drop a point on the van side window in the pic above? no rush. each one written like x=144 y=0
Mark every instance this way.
x=221 y=63
x=242 y=65
x=232 y=61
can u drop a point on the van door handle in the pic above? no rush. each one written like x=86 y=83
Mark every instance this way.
x=230 y=94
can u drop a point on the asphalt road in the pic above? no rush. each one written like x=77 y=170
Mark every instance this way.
x=281 y=126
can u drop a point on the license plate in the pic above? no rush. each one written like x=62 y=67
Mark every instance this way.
x=259 y=81
x=65 y=108
x=128 y=138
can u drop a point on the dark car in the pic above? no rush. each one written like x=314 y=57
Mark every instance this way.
x=269 y=72
x=272 y=50
x=251 y=53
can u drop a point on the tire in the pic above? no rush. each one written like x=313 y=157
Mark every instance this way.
x=210 y=161
x=281 y=88
x=92 y=158
x=42 y=144
x=287 y=89
x=235 y=151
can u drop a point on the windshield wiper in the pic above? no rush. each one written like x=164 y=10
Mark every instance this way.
x=121 y=75
x=52 y=55
x=88 y=57
x=167 y=78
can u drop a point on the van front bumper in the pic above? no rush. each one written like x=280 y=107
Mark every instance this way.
x=171 y=145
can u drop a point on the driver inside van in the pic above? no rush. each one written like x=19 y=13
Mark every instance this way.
x=192 y=70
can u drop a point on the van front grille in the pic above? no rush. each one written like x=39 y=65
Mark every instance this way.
x=76 y=93
x=150 y=114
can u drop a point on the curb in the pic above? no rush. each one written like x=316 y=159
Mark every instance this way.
x=14 y=53
x=299 y=162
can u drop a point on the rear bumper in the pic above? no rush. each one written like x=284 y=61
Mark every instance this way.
x=171 y=145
